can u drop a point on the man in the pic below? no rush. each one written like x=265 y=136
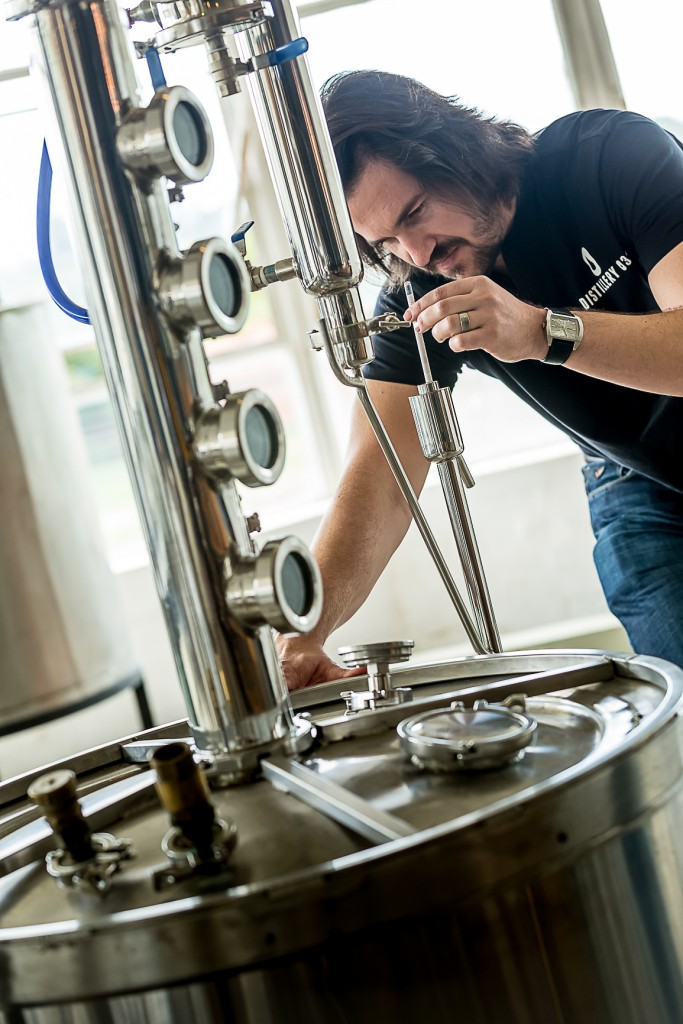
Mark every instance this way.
x=529 y=257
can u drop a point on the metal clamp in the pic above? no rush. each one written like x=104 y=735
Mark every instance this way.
x=94 y=875
x=385 y=322
x=184 y=858
x=376 y=658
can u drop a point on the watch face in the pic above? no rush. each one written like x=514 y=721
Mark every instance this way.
x=566 y=328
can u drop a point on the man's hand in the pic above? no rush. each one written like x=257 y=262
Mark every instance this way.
x=306 y=664
x=499 y=323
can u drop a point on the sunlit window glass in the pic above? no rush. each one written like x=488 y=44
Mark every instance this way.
x=646 y=43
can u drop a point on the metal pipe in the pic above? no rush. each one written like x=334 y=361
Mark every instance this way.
x=301 y=159
x=337 y=802
x=461 y=521
x=231 y=679
x=421 y=522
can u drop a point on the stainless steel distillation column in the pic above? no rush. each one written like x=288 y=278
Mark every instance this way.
x=299 y=152
x=186 y=443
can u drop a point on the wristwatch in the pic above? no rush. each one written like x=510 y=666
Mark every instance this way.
x=564 y=331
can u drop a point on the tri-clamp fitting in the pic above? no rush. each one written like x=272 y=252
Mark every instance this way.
x=85 y=860
x=376 y=658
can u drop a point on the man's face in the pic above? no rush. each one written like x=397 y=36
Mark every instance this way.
x=395 y=214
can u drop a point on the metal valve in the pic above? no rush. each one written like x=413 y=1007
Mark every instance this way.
x=376 y=658
x=85 y=860
x=198 y=844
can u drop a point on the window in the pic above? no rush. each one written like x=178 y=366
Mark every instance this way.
x=647 y=55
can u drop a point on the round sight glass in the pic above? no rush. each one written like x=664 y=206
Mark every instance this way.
x=225 y=286
x=261 y=436
x=297 y=584
x=190 y=133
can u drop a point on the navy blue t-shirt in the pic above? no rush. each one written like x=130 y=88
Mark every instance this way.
x=600 y=205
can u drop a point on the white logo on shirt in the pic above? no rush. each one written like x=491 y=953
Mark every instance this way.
x=605 y=281
x=593 y=264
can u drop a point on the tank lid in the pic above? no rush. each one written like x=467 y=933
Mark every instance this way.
x=483 y=736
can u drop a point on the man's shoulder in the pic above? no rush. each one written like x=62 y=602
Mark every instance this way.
x=587 y=126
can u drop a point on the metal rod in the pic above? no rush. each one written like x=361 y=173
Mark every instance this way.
x=337 y=803
x=421 y=522
x=461 y=521
x=356 y=380
x=419 y=338
x=535 y=684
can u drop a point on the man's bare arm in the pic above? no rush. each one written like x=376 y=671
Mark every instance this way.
x=365 y=524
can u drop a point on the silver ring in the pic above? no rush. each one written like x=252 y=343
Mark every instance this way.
x=465 y=324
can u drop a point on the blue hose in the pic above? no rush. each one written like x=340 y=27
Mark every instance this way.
x=57 y=294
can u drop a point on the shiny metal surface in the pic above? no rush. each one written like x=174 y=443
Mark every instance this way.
x=187 y=295
x=439 y=433
x=547 y=892
x=156 y=371
x=453 y=488
x=257 y=593
x=224 y=447
x=422 y=524
x=147 y=140
x=377 y=657
x=334 y=801
x=479 y=738
x=301 y=160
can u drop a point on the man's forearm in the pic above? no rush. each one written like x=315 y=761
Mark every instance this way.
x=356 y=539
x=643 y=352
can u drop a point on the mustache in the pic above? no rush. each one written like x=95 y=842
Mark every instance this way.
x=442 y=249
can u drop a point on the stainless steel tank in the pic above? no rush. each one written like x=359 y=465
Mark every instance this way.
x=62 y=633
x=526 y=872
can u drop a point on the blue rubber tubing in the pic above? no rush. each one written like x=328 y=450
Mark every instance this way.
x=57 y=293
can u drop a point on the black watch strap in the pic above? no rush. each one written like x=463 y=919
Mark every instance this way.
x=559 y=351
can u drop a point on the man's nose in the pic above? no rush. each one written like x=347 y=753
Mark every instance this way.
x=418 y=249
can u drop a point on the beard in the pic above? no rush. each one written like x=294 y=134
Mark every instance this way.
x=482 y=251
x=482 y=259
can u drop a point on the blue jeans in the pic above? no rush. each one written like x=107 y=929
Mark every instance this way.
x=638 y=527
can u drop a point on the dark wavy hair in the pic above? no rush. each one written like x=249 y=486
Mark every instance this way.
x=453 y=151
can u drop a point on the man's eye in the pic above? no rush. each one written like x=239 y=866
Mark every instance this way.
x=417 y=211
